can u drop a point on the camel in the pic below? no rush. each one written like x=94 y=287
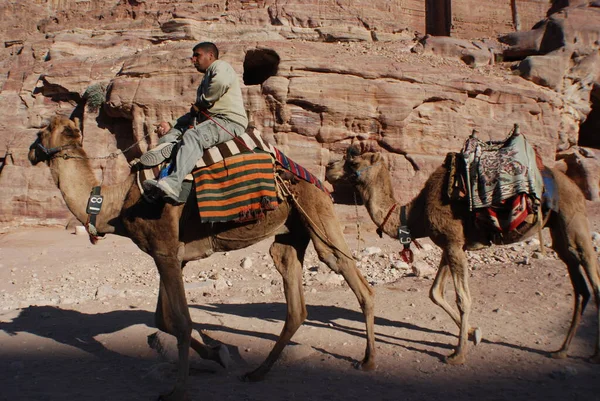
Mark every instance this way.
x=448 y=226
x=173 y=235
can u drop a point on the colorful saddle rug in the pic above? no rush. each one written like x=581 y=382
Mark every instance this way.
x=496 y=171
x=239 y=188
x=501 y=181
x=298 y=170
x=509 y=215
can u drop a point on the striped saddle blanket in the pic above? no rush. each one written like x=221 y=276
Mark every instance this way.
x=239 y=188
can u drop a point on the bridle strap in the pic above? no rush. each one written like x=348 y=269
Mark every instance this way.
x=93 y=208
x=404 y=223
x=380 y=228
x=52 y=152
x=357 y=173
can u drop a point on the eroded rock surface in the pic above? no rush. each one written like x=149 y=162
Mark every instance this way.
x=317 y=74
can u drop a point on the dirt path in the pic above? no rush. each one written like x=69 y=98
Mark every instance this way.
x=75 y=320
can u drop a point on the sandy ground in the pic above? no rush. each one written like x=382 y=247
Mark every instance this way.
x=75 y=320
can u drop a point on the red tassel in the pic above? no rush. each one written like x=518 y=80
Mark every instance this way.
x=407 y=255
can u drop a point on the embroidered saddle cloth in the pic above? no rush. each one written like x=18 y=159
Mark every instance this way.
x=501 y=181
x=496 y=171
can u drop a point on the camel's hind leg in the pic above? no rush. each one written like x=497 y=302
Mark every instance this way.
x=457 y=261
x=218 y=354
x=572 y=242
x=288 y=254
x=436 y=294
x=173 y=317
x=332 y=249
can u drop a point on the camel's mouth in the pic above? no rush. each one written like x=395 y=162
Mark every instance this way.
x=35 y=155
x=343 y=188
x=334 y=171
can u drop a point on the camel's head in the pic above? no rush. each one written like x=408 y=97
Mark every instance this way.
x=356 y=165
x=61 y=134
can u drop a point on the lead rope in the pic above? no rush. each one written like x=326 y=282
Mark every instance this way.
x=358 y=237
x=322 y=236
x=235 y=138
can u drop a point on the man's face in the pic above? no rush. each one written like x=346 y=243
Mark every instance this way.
x=202 y=60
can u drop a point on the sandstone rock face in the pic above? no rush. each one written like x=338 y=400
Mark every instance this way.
x=317 y=74
x=583 y=166
x=562 y=53
x=489 y=18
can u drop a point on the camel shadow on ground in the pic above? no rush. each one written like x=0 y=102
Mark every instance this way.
x=26 y=375
x=74 y=328
x=329 y=317
x=77 y=329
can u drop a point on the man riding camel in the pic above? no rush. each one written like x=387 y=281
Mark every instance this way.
x=217 y=116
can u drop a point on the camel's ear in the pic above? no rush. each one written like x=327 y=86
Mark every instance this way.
x=375 y=157
x=72 y=130
x=353 y=150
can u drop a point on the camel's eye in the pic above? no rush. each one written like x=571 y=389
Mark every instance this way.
x=352 y=165
x=352 y=152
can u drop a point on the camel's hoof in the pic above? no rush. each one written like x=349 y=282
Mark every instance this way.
x=364 y=366
x=173 y=396
x=252 y=377
x=455 y=359
x=558 y=354
x=475 y=335
x=224 y=356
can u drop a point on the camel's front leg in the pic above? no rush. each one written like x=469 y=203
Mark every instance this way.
x=288 y=253
x=364 y=294
x=457 y=261
x=173 y=317
x=328 y=239
x=436 y=294
x=566 y=244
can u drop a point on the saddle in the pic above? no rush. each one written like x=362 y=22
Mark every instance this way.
x=504 y=183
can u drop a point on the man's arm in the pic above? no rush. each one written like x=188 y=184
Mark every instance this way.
x=215 y=85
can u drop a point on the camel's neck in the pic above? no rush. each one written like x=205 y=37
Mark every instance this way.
x=75 y=180
x=379 y=200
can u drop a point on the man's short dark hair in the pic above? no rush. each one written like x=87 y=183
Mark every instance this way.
x=207 y=47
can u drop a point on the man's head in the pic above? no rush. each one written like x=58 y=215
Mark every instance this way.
x=204 y=55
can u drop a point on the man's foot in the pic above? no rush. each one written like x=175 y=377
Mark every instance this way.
x=157 y=155
x=154 y=189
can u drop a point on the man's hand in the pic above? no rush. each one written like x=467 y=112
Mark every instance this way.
x=162 y=128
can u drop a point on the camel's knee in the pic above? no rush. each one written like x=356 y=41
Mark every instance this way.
x=285 y=256
x=303 y=315
x=180 y=328
x=463 y=304
x=435 y=293
x=589 y=262
x=295 y=320
x=168 y=321
x=331 y=261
